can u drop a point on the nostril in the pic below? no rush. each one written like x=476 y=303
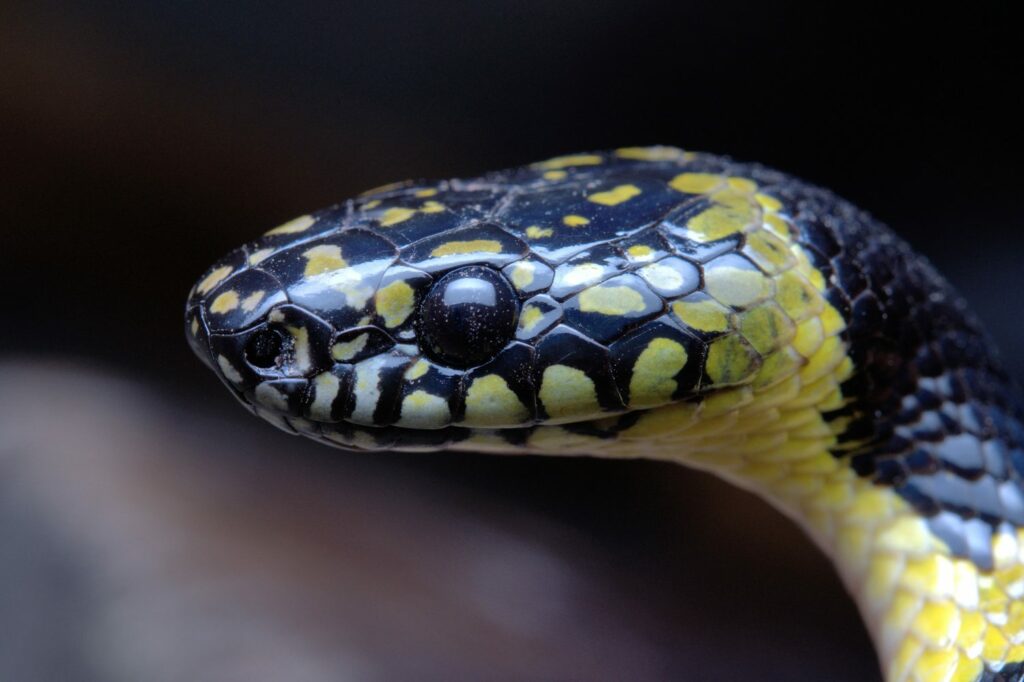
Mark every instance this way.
x=265 y=347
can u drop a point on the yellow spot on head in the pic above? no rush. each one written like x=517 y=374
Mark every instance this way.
x=395 y=215
x=611 y=300
x=213 y=279
x=768 y=203
x=470 y=246
x=366 y=390
x=522 y=274
x=225 y=302
x=371 y=204
x=345 y=280
x=766 y=328
x=301 y=348
x=721 y=220
x=661 y=276
x=395 y=303
x=228 y=370
x=779 y=365
x=325 y=390
x=418 y=369
x=657 y=153
x=555 y=175
x=422 y=410
x=735 y=286
x=768 y=251
x=585 y=273
x=809 y=336
x=777 y=225
x=269 y=396
x=640 y=252
x=742 y=185
x=696 y=183
x=423 y=193
x=346 y=350
x=253 y=300
x=567 y=392
x=575 y=220
x=323 y=258
x=300 y=224
x=490 y=402
x=529 y=318
x=257 y=257
x=432 y=207
x=195 y=326
x=797 y=296
x=652 y=383
x=615 y=196
x=537 y=232
x=729 y=360
x=567 y=161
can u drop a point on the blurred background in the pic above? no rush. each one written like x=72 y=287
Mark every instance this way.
x=151 y=529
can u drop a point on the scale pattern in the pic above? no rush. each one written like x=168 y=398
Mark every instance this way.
x=671 y=305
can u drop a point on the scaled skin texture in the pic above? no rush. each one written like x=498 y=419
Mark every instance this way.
x=650 y=302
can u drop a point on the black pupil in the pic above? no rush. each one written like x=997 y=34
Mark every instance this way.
x=468 y=317
x=264 y=347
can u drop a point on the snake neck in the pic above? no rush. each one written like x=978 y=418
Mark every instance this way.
x=934 y=612
x=884 y=427
x=934 y=615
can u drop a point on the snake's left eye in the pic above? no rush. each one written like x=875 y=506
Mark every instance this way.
x=468 y=317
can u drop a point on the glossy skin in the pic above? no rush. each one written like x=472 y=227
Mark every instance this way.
x=651 y=302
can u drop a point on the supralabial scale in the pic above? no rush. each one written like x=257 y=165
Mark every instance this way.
x=651 y=302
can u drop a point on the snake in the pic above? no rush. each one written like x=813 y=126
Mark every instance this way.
x=651 y=302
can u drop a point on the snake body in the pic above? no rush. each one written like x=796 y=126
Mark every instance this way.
x=650 y=302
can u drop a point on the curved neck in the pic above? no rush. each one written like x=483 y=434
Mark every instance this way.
x=933 y=615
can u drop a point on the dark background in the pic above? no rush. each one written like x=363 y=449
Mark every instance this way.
x=140 y=141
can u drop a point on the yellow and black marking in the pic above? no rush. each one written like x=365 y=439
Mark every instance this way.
x=650 y=302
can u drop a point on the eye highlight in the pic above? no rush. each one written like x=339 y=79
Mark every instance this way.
x=467 y=317
x=265 y=347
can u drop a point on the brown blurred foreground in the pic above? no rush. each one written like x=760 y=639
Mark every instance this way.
x=140 y=540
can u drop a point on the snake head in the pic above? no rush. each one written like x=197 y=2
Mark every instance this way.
x=469 y=315
x=342 y=336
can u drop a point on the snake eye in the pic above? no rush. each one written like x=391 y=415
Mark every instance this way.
x=467 y=317
x=264 y=347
